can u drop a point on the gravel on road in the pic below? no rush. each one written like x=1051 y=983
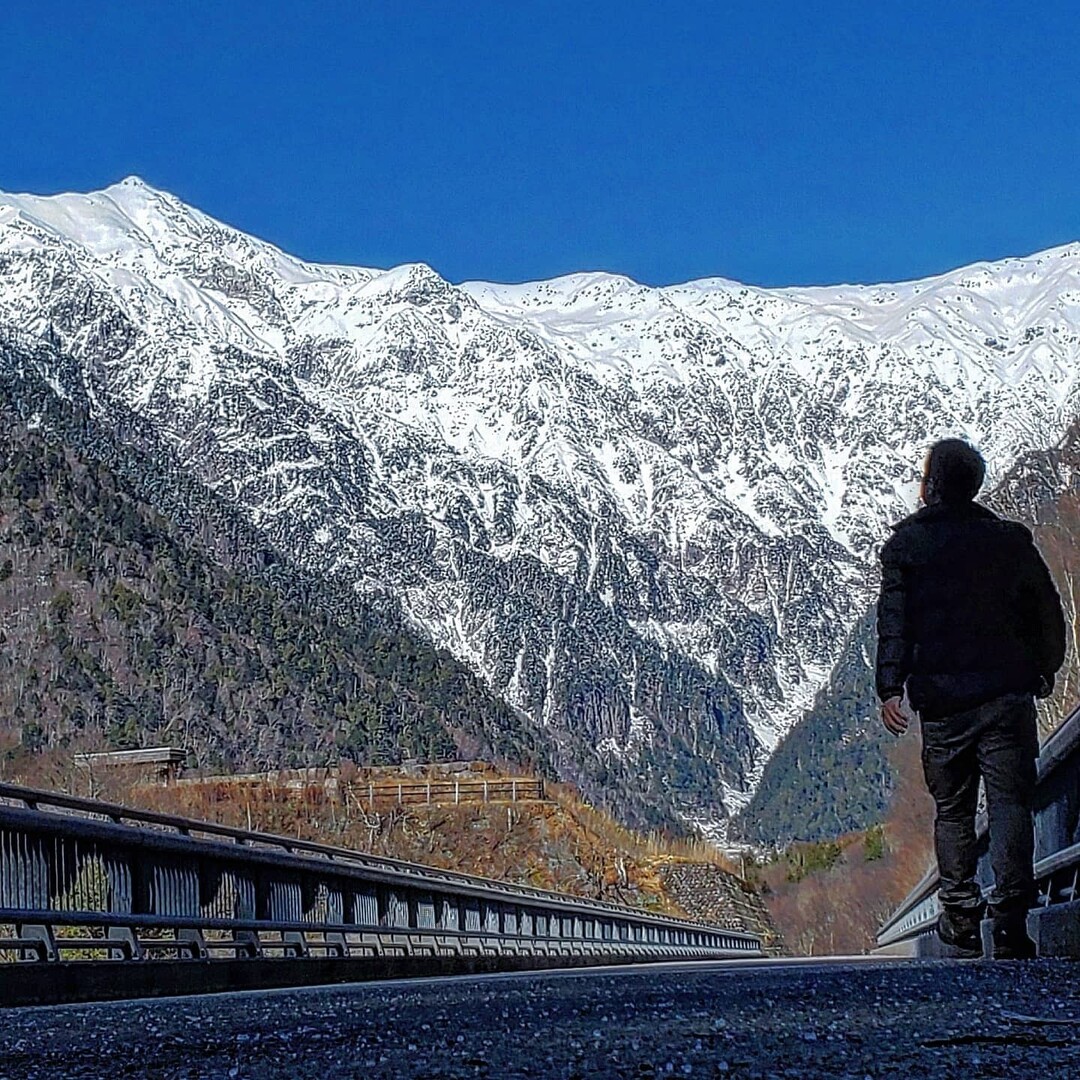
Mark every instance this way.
x=768 y=1021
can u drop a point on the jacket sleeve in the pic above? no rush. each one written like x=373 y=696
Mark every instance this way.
x=893 y=646
x=1042 y=622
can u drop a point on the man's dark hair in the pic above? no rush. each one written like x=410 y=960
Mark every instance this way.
x=954 y=472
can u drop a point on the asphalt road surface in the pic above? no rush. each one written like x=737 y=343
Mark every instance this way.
x=772 y=1019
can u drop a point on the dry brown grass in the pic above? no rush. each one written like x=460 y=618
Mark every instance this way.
x=561 y=844
x=652 y=846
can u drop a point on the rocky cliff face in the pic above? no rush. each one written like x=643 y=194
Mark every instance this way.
x=645 y=516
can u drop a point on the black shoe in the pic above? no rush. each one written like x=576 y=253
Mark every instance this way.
x=1011 y=941
x=960 y=929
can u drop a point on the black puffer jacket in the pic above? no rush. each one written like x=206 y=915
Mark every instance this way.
x=967 y=611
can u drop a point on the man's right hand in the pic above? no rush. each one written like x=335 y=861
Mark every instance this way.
x=896 y=723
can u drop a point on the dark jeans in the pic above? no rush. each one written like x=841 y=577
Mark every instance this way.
x=998 y=741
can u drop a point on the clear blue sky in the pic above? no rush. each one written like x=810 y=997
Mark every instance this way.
x=776 y=143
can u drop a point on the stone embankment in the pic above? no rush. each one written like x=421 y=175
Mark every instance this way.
x=713 y=895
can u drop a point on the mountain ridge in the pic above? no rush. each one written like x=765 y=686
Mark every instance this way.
x=646 y=517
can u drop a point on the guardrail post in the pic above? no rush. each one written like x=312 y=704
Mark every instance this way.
x=40 y=938
x=126 y=942
x=191 y=940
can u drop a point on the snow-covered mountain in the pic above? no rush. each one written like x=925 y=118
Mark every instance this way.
x=646 y=515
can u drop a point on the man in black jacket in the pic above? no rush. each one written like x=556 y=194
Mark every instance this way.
x=970 y=626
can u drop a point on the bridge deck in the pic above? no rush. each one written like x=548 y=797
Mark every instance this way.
x=742 y=1019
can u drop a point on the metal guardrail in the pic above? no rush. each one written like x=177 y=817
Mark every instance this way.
x=88 y=883
x=1057 y=857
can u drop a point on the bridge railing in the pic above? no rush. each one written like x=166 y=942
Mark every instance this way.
x=83 y=882
x=1055 y=921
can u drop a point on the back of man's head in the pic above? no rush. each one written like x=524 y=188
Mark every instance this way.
x=954 y=472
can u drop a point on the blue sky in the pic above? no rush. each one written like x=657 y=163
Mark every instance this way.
x=776 y=143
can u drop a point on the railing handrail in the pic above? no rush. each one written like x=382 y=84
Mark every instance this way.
x=126 y=836
x=1061 y=742
x=336 y=858
x=1059 y=745
x=927 y=884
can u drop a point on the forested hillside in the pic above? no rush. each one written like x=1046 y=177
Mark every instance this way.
x=119 y=625
x=1043 y=490
x=831 y=774
x=279 y=665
